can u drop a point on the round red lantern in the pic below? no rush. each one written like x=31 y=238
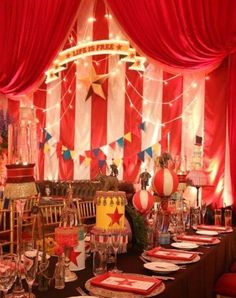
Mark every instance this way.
x=165 y=182
x=143 y=201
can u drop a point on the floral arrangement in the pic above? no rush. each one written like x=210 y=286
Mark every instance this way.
x=5 y=120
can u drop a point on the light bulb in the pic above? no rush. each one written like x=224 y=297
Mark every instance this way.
x=91 y=20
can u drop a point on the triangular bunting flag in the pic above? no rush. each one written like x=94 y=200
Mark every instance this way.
x=66 y=155
x=96 y=151
x=46 y=148
x=128 y=137
x=47 y=136
x=88 y=161
x=101 y=163
x=155 y=148
x=73 y=154
x=142 y=126
x=149 y=151
x=81 y=159
x=105 y=149
x=141 y=155
x=117 y=161
x=120 y=142
x=113 y=145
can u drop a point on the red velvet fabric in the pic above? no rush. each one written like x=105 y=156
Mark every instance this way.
x=31 y=34
x=226 y=285
x=232 y=122
x=183 y=33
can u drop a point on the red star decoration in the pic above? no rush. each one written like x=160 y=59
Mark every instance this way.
x=132 y=55
x=119 y=47
x=125 y=282
x=73 y=256
x=115 y=217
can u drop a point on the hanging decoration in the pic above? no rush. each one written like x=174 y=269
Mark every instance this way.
x=99 y=47
x=165 y=180
x=143 y=201
x=94 y=83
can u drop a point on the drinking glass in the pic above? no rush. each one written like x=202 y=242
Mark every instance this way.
x=185 y=215
x=218 y=216
x=174 y=221
x=195 y=216
x=8 y=271
x=115 y=241
x=228 y=218
x=203 y=212
x=99 y=262
x=30 y=261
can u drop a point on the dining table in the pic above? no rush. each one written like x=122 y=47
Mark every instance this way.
x=195 y=280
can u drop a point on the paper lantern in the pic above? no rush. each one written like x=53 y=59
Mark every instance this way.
x=165 y=182
x=143 y=201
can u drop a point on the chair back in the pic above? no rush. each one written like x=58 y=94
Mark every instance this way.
x=86 y=212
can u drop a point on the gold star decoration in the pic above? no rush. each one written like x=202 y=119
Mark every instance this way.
x=94 y=83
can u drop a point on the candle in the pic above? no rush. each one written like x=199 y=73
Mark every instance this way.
x=168 y=141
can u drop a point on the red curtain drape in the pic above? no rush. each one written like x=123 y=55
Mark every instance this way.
x=180 y=33
x=188 y=35
x=31 y=34
x=231 y=121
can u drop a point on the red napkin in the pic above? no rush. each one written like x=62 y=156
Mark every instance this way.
x=170 y=254
x=128 y=283
x=195 y=238
x=212 y=228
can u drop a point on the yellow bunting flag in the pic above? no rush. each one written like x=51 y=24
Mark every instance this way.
x=87 y=161
x=73 y=154
x=46 y=148
x=156 y=148
x=128 y=137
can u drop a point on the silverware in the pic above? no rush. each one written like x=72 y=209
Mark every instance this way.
x=163 y=277
x=81 y=292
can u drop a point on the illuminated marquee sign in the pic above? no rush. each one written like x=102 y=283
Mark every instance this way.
x=85 y=49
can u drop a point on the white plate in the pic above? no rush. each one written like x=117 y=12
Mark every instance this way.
x=161 y=267
x=216 y=241
x=184 y=245
x=153 y=259
x=208 y=233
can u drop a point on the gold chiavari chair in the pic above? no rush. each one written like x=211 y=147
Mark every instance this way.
x=7 y=229
x=52 y=215
x=86 y=213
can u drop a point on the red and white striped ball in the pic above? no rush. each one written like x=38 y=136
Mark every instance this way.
x=165 y=182
x=143 y=201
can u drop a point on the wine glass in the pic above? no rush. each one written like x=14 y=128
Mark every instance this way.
x=203 y=212
x=8 y=271
x=174 y=220
x=115 y=241
x=30 y=261
x=185 y=215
